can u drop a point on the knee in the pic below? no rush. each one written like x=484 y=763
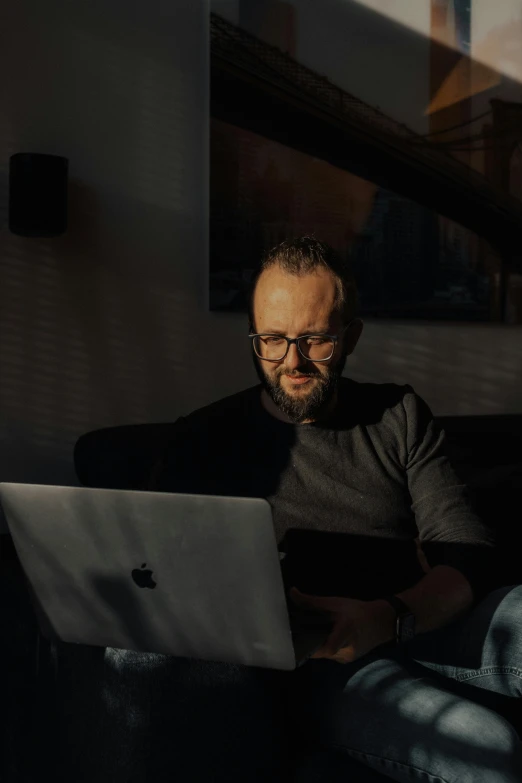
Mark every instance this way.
x=482 y=744
x=506 y=628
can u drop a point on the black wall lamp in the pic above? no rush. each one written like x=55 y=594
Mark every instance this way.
x=37 y=194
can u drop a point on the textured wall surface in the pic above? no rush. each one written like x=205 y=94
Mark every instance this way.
x=109 y=324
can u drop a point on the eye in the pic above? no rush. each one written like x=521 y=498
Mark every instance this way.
x=273 y=340
x=316 y=340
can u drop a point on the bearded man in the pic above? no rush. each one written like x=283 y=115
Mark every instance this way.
x=375 y=530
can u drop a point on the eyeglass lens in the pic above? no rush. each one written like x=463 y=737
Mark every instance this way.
x=273 y=347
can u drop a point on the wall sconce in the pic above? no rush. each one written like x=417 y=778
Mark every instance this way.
x=37 y=194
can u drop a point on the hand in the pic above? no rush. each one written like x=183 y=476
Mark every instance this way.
x=358 y=626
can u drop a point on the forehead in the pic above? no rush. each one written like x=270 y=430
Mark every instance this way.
x=286 y=302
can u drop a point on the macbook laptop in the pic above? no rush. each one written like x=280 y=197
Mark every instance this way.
x=184 y=575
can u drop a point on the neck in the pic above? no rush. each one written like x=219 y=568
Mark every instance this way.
x=271 y=408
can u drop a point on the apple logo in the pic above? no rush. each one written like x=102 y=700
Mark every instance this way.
x=143 y=578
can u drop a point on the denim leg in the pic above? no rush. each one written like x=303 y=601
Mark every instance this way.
x=128 y=717
x=404 y=721
x=483 y=648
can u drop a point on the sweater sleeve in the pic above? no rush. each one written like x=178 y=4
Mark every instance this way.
x=450 y=531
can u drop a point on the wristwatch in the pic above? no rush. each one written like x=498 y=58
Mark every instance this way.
x=405 y=620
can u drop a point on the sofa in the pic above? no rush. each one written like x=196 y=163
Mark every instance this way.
x=485 y=451
x=61 y=697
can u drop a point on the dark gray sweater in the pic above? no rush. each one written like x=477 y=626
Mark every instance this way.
x=349 y=495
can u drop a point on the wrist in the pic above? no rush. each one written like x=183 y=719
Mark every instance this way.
x=385 y=619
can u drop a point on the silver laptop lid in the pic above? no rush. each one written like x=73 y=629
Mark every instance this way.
x=186 y=575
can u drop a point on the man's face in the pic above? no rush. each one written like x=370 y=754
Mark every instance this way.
x=293 y=306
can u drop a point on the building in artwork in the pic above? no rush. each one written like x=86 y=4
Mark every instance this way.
x=408 y=259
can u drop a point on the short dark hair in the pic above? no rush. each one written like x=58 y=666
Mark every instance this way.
x=302 y=256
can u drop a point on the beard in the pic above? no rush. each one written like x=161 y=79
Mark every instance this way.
x=306 y=404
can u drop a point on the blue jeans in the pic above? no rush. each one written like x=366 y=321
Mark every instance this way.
x=423 y=711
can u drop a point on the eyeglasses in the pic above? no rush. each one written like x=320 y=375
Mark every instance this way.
x=314 y=347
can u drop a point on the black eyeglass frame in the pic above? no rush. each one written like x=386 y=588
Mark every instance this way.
x=289 y=340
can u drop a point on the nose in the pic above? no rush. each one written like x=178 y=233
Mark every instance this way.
x=293 y=360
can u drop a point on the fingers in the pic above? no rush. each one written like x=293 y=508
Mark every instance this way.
x=343 y=655
x=336 y=646
x=336 y=640
x=312 y=601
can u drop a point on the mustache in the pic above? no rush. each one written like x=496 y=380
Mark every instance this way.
x=296 y=374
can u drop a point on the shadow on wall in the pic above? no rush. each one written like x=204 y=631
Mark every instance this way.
x=460 y=369
x=84 y=338
x=98 y=326
x=423 y=55
x=108 y=324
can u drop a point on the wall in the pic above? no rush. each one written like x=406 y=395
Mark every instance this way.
x=460 y=369
x=102 y=326
x=109 y=323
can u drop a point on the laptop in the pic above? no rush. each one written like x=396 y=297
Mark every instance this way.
x=184 y=575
